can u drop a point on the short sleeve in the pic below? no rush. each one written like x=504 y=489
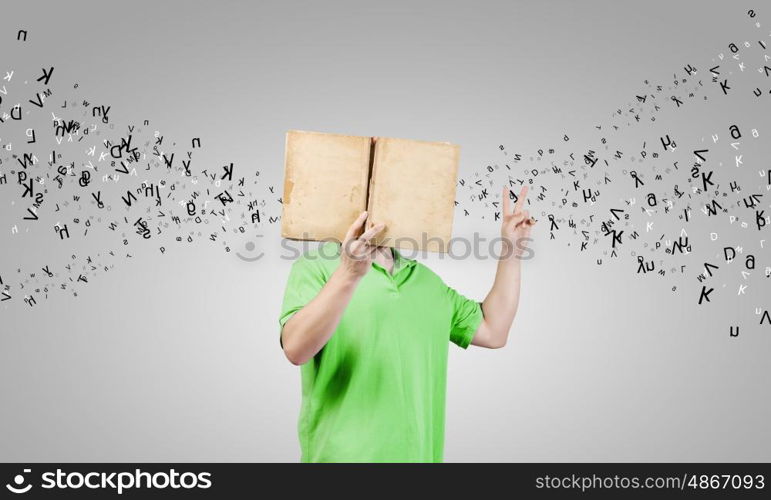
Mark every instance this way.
x=466 y=318
x=306 y=279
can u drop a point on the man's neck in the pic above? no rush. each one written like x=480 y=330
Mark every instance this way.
x=385 y=258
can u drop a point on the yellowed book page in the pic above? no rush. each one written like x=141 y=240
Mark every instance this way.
x=412 y=191
x=325 y=184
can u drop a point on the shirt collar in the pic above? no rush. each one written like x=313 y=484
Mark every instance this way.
x=401 y=261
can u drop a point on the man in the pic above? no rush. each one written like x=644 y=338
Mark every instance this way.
x=371 y=330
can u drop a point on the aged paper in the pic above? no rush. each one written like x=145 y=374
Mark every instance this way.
x=412 y=191
x=325 y=184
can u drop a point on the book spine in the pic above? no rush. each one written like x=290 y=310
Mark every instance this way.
x=370 y=179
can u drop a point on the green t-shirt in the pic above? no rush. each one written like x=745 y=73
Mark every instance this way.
x=376 y=391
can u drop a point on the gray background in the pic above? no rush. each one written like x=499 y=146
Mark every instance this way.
x=177 y=358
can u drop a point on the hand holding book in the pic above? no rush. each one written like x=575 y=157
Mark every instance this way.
x=357 y=252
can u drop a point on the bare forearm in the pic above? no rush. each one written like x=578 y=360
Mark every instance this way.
x=309 y=329
x=500 y=305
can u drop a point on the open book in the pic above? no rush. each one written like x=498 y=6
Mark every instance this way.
x=407 y=185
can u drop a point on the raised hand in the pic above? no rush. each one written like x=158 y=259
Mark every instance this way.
x=516 y=225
